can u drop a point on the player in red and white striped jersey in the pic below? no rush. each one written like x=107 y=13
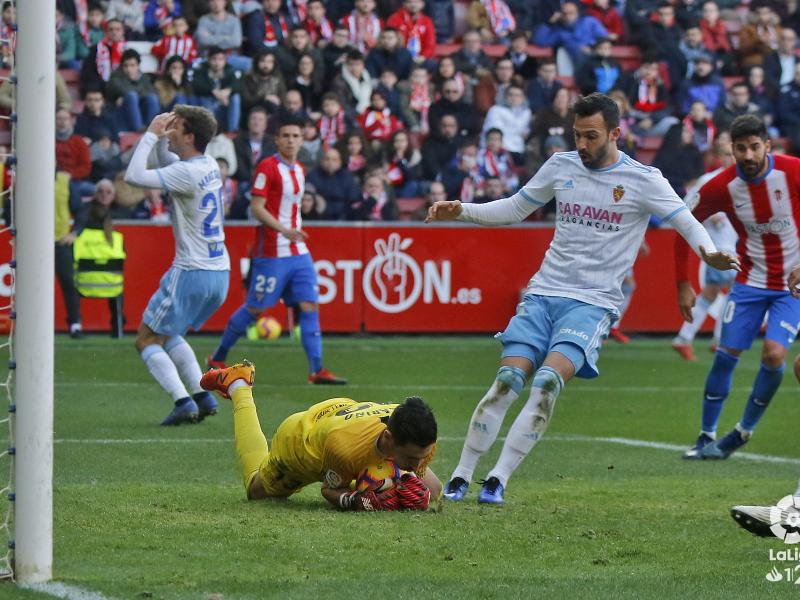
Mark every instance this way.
x=281 y=266
x=760 y=195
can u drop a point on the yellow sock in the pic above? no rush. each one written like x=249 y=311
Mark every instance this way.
x=251 y=445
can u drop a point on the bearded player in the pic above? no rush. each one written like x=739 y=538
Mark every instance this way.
x=604 y=202
x=759 y=195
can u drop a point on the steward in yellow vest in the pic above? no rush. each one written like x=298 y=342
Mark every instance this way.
x=99 y=254
x=98 y=263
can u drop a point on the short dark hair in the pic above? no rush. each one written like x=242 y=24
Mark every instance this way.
x=291 y=122
x=94 y=89
x=258 y=108
x=740 y=84
x=745 y=126
x=353 y=55
x=175 y=58
x=594 y=103
x=331 y=96
x=129 y=54
x=199 y=121
x=213 y=51
x=413 y=423
x=494 y=130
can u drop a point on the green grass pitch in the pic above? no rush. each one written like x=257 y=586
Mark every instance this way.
x=143 y=511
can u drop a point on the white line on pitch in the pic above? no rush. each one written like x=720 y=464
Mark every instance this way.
x=410 y=386
x=768 y=458
x=62 y=590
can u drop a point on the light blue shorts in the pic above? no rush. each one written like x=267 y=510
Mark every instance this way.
x=184 y=299
x=720 y=278
x=744 y=314
x=542 y=322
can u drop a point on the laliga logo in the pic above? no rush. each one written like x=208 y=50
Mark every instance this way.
x=392 y=279
x=785 y=520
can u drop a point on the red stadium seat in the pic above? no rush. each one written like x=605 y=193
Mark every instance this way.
x=647 y=148
x=629 y=57
x=567 y=82
x=729 y=81
x=128 y=139
x=493 y=50
x=70 y=76
x=408 y=206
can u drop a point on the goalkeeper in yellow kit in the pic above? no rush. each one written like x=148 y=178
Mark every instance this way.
x=332 y=442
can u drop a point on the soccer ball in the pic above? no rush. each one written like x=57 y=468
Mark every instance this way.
x=269 y=328
x=378 y=477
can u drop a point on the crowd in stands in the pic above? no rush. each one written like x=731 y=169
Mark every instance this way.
x=405 y=100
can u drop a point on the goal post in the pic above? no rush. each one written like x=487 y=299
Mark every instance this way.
x=34 y=216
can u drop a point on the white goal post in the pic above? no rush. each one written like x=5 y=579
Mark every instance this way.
x=33 y=339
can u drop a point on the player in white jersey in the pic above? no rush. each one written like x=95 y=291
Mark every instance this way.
x=197 y=282
x=604 y=203
x=713 y=296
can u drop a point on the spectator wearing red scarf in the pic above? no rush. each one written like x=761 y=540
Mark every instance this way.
x=104 y=58
x=318 y=26
x=416 y=28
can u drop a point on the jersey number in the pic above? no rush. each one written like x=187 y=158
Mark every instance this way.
x=215 y=249
x=730 y=308
x=265 y=284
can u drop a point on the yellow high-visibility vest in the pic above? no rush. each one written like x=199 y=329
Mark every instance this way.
x=98 y=264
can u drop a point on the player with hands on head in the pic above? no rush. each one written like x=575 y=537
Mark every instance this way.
x=196 y=284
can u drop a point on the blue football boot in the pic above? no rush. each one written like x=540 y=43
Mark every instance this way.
x=491 y=492
x=724 y=447
x=206 y=405
x=693 y=453
x=456 y=489
x=185 y=413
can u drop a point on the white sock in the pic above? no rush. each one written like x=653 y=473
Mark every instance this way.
x=797 y=491
x=236 y=385
x=530 y=424
x=185 y=361
x=163 y=371
x=485 y=425
x=699 y=312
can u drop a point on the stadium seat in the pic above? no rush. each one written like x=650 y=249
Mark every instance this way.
x=729 y=81
x=567 y=82
x=149 y=62
x=408 y=206
x=128 y=139
x=493 y=50
x=70 y=76
x=629 y=57
x=647 y=148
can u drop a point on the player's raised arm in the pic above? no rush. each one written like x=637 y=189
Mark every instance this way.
x=535 y=194
x=138 y=173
